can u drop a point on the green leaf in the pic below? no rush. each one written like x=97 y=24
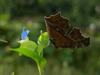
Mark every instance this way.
x=29 y=53
x=43 y=39
x=29 y=45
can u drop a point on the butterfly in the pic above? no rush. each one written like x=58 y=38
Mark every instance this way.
x=62 y=34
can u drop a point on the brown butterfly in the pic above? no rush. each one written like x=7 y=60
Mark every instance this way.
x=62 y=34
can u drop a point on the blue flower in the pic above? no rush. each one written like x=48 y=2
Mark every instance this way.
x=24 y=34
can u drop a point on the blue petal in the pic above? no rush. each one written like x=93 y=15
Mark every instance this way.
x=24 y=34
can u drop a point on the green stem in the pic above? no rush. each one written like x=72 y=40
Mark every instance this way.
x=40 y=69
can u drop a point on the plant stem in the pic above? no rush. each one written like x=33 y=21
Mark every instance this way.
x=40 y=69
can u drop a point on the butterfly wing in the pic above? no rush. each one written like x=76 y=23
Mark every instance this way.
x=81 y=40
x=62 y=34
x=58 y=39
x=56 y=33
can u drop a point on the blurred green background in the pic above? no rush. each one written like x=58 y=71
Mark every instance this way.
x=16 y=14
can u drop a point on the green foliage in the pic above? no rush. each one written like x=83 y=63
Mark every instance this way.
x=4 y=16
x=27 y=44
x=43 y=39
x=32 y=50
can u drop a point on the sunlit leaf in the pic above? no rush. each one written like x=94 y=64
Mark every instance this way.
x=31 y=54
x=29 y=45
x=43 y=39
